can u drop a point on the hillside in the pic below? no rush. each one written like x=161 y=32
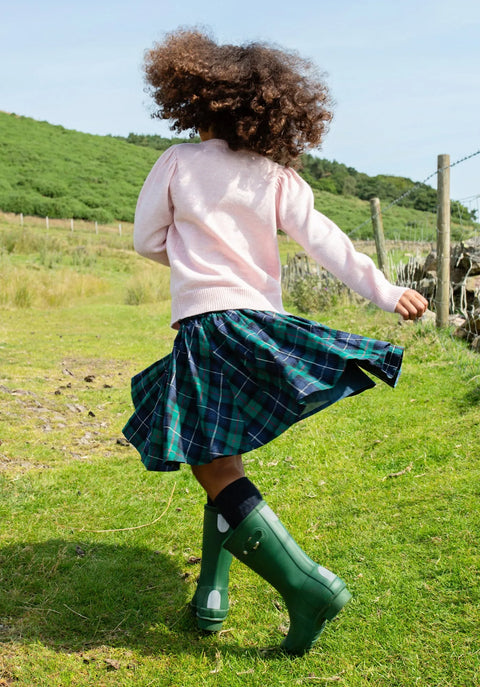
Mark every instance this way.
x=47 y=170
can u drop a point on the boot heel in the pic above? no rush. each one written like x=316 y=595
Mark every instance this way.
x=337 y=604
x=209 y=625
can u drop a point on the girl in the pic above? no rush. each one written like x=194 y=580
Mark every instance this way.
x=242 y=370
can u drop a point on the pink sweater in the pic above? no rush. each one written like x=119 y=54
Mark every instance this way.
x=212 y=214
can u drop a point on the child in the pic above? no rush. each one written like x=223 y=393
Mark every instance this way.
x=242 y=370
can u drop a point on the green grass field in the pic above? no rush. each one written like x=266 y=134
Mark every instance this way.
x=96 y=553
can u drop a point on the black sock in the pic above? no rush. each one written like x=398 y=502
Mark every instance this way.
x=209 y=501
x=237 y=500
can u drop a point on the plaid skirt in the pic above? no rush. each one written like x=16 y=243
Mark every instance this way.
x=236 y=379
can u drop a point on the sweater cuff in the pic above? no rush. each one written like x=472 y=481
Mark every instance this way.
x=387 y=299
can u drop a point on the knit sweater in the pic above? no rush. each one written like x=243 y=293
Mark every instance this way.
x=212 y=215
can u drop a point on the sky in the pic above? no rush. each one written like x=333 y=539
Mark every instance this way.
x=404 y=76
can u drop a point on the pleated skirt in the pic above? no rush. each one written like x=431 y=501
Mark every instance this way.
x=236 y=379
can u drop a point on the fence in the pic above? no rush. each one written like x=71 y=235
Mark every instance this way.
x=72 y=225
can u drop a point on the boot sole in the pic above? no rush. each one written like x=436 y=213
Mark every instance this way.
x=209 y=625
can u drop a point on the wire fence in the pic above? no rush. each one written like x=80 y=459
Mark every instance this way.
x=407 y=193
x=472 y=203
x=70 y=224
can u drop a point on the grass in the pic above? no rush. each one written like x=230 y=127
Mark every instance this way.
x=80 y=606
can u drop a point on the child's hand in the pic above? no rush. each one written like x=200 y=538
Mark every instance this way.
x=411 y=305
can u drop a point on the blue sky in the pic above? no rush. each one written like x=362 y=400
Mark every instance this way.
x=404 y=75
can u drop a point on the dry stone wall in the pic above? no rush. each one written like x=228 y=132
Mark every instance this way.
x=465 y=285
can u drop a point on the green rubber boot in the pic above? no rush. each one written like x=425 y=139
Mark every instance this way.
x=210 y=601
x=312 y=593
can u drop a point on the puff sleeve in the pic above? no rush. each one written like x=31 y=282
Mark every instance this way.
x=154 y=211
x=327 y=244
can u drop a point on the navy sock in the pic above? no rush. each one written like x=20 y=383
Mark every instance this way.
x=237 y=500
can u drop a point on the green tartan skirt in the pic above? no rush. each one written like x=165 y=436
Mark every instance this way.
x=236 y=379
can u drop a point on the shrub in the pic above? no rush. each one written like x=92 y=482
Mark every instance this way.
x=51 y=188
x=316 y=292
x=16 y=201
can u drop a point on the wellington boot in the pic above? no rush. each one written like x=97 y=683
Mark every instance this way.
x=210 y=601
x=311 y=593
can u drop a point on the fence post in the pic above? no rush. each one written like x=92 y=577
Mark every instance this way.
x=377 y=222
x=442 y=298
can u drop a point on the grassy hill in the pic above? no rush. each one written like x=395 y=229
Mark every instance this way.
x=47 y=170
x=50 y=171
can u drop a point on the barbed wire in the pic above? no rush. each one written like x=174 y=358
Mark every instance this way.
x=413 y=188
x=468 y=198
x=462 y=159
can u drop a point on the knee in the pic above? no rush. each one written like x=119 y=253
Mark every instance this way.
x=216 y=475
x=228 y=465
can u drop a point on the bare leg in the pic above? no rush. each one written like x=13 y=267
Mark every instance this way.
x=218 y=474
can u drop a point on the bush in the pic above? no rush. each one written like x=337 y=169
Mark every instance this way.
x=101 y=215
x=51 y=188
x=315 y=292
x=17 y=201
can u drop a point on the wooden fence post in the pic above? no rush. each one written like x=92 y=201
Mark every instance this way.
x=377 y=222
x=442 y=298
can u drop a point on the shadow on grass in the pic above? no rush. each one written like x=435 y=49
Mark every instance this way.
x=77 y=597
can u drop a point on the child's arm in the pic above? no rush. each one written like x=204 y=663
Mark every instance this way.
x=331 y=247
x=154 y=212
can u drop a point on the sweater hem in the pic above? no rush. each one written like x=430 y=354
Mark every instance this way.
x=222 y=298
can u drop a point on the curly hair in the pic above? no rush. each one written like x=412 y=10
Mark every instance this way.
x=255 y=96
